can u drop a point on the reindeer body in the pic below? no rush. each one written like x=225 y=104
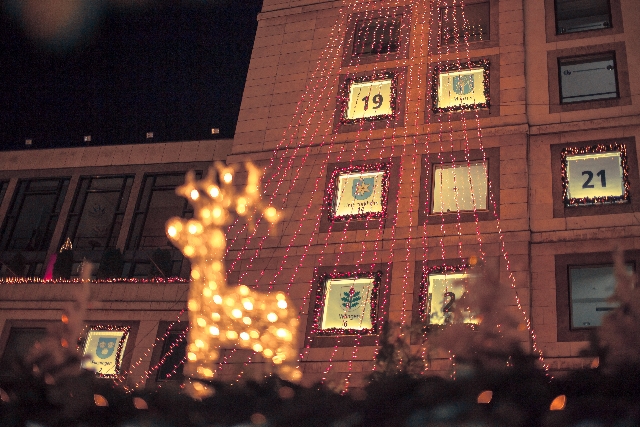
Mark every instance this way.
x=221 y=316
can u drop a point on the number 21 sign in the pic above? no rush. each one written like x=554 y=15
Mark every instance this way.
x=595 y=175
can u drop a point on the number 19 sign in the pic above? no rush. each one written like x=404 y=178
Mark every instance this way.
x=369 y=99
x=595 y=175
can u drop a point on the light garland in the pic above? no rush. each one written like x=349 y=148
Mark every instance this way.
x=24 y=280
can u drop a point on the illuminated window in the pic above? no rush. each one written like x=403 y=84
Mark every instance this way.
x=97 y=211
x=371 y=97
x=595 y=174
x=582 y=15
x=459 y=187
x=377 y=37
x=471 y=22
x=104 y=348
x=588 y=78
x=441 y=289
x=590 y=289
x=172 y=360
x=461 y=88
x=359 y=193
x=348 y=304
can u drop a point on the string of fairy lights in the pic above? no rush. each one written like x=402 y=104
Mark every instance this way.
x=311 y=143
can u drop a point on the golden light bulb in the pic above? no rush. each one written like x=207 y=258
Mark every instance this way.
x=191 y=356
x=217 y=299
x=270 y=213
x=206 y=292
x=227 y=177
x=201 y=322
x=214 y=191
x=257 y=348
x=244 y=336
x=194 y=194
x=199 y=343
x=215 y=316
x=195 y=274
x=246 y=320
x=248 y=305
x=214 y=331
x=254 y=334
x=268 y=353
x=232 y=335
x=272 y=317
x=244 y=290
x=193 y=229
x=189 y=251
x=282 y=304
x=237 y=313
x=171 y=231
x=216 y=212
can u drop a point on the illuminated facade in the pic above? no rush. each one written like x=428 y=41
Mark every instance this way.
x=401 y=138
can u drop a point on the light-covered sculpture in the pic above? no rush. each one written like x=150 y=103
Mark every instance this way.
x=223 y=316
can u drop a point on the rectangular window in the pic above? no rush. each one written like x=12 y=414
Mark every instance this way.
x=461 y=87
x=347 y=304
x=174 y=351
x=459 y=187
x=573 y=16
x=359 y=192
x=33 y=214
x=470 y=22
x=97 y=211
x=377 y=36
x=104 y=348
x=590 y=288
x=370 y=99
x=3 y=189
x=442 y=287
x=588 y=78
x=595 y=175
x=18 y=345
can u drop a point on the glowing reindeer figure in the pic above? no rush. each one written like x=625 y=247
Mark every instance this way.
x=221 y=316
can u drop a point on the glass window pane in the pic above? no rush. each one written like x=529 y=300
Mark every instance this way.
x=459 y=187
x=114 y=183
x=174 y=180
x=590 y=287
x=358 y=193
x=595 y=175
x=164 y=205
x=461 y=88
x=18 y=345
x=370 y=99
x=588 y=79
x=96 y=220
x=582 y=15
x=32 y=222
x=347 y=303
x=377 y=37
x=174 y=351
x=472 y=21
x=444 y=289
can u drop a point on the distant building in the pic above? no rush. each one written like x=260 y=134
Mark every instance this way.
x=394 y=134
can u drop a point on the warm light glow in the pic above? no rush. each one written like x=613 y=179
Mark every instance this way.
x=214 y=191
x=171 y=231
x=194 y=194
x=272 y=317
x=227 y=177
x=282 y=304
x=485 y=396
x=214 y=331
x=558 y=403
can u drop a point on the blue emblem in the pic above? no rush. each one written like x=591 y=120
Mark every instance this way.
x=362 y=188
x=463 y=84
x=105 y=347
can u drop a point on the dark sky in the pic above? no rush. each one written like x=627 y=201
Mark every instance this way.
x=174 y=67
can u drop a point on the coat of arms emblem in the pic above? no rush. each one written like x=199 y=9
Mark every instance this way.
x=463 y=84
x=105 y=347
x=362 y=188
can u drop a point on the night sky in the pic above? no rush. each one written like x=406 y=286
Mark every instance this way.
x=124 y=68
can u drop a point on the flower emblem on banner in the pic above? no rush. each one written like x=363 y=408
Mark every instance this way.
x=351 y=299
x=362 y=188
x=463 y=84
x=106 y=347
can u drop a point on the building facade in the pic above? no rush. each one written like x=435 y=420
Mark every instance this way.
x=402 y=140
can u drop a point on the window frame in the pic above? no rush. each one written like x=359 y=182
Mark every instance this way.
x=563 y=289
x=360 y=222
x=435 y=28
x=560 y=208
x=588 y=59
x=19 y=324
x=429 y=162
x=158 y=350
x=315 y=337
x=551 y=25
x=125 y=359
x=350 y=59
x=621 y=69
x=398 y=76
x=491 y=64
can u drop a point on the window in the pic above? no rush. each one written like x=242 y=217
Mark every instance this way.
x=3 y=189
x=588 y=78
x=359 y=192
x=378 y=36
x=156 y=204
x=459 y=187
x=595 y=174
x=594 y=76
x=461 y=87
x=441 y=288
x=470 y=24
x=370 y=100
x=174 y=350
x=581 y=15
x=584 y=283
x=373 y=36
x=96 y=213
x=595 y=178
x=33 y=214
x=455 y=186
x=103 y=349
x=590 y=287
x=348 y=305
x=18 y=344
